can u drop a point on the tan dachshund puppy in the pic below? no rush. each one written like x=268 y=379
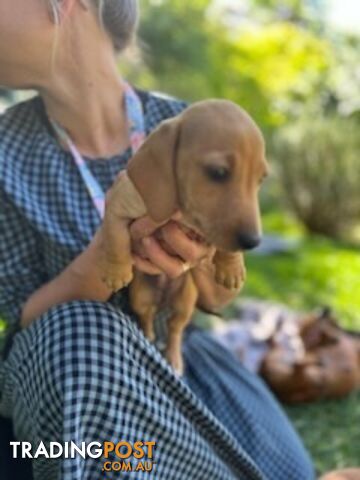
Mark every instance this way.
x=208 y=162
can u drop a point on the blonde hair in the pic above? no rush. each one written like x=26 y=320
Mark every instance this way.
x=119 y=18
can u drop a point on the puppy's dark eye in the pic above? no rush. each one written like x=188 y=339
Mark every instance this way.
x=217 y=174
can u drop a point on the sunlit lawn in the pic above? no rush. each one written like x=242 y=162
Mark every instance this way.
x=318 y=272
x=330 y=431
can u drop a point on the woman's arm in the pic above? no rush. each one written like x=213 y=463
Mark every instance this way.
x=81 y=280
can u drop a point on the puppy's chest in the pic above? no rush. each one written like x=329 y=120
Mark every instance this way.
x=165 y=289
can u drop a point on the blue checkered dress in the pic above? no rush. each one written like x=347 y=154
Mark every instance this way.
x=84 y=371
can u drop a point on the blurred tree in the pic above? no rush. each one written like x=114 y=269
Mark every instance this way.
x=176 y=32
x=318 y=161
x=269 y=69
x=175 y=38
x=340 y=89
x=305 y=12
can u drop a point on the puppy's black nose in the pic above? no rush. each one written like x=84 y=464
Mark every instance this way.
x=247 y=241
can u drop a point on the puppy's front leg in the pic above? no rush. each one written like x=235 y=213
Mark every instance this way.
x=123 y=203
x=182 y=310
x=142 y=295
x=230 y=271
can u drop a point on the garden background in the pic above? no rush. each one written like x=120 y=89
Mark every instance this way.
x=298 y=74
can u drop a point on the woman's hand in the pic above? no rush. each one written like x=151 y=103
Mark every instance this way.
x=150 y=257
x=167 y=248
x=82 y=279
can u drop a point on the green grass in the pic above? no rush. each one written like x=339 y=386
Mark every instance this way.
x=330 y=431
x=319 y=272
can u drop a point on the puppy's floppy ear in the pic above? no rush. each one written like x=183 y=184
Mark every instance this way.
x=152 y=170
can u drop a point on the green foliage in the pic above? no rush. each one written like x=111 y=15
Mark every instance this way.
x=340 y=88
x=269 y=67
x=307 y=13
x=320 y=172
x=175 y=38
x=176 y=33
x=292 y=5
x=277 y=60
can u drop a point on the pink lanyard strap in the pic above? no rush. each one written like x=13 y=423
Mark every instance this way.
x=135 y=114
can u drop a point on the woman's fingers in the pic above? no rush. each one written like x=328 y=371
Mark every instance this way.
x=150 y=255
x=189 y=250
x=145 y=226
x=173 y=267
x=146 y=266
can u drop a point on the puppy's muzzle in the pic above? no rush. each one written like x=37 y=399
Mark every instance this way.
x=247 y=241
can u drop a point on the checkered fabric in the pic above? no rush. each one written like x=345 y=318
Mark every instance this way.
x=84 y=371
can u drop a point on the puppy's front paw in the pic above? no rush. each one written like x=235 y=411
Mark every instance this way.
x=117 y=275
x=230 y=276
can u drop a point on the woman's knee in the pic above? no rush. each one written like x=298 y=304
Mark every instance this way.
x=76 y=351
x=82 y=322
x=75 y=340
